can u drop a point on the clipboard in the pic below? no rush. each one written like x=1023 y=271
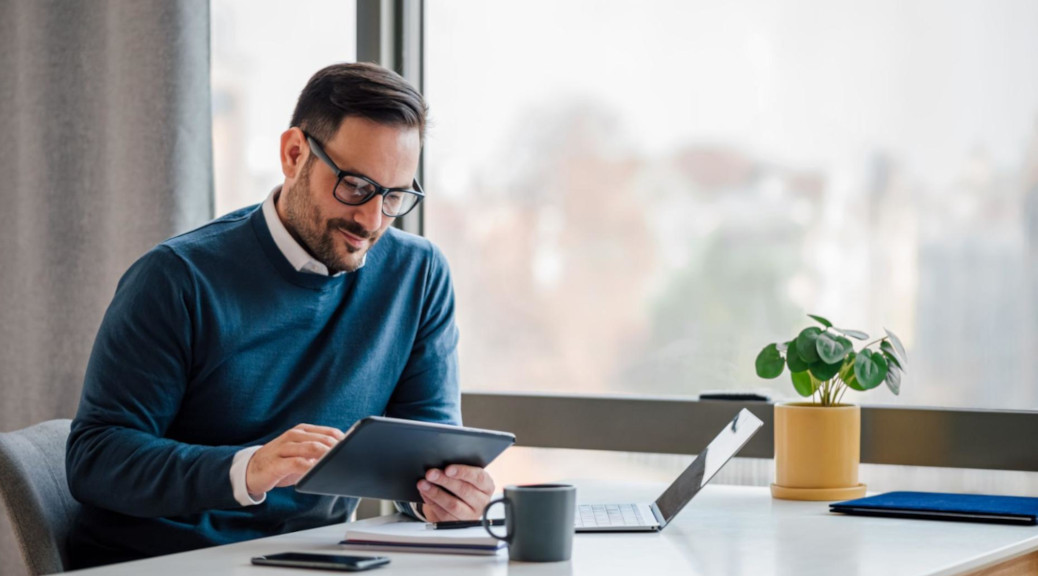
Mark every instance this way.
x=384 y=458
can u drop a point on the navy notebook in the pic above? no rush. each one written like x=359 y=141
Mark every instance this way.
x=937 y=506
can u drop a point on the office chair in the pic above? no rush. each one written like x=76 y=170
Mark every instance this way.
x=35 y=491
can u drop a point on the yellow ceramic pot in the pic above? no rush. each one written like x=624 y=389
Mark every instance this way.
x=817 y=450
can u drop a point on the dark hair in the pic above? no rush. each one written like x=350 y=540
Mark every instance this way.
x=358 y=89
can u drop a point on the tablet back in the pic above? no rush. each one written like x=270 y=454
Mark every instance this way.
x=385 y=457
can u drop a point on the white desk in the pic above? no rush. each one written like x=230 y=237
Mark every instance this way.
x=725 y=530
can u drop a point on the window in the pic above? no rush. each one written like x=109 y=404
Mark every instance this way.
x=636 y=197
x=263 y=52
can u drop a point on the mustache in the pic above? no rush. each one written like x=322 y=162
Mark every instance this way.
x=351 y=227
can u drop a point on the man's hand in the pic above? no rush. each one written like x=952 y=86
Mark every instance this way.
x=457 y=493
x=284 y=460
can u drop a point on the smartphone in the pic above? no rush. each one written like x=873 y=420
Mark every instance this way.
x=321 y=561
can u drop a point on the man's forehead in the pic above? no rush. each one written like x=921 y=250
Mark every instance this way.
x=387 y=154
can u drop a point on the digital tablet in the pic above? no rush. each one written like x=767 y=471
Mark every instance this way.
x=385 y=458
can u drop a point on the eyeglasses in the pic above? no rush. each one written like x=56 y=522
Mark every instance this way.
x=354 y=189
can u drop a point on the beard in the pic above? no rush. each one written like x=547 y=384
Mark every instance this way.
x=319 y=235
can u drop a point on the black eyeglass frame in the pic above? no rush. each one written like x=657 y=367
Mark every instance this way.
x=379 y=190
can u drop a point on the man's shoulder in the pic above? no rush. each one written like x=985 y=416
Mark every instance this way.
x=406 y=247
x=407 y=241
x=213 y=243
x=204 y=247
x=228 y=228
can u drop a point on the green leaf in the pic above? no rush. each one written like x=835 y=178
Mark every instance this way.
x=891 y=353
x=832 y=349
x=847 y=373
x=769 y=362
x=893 y=380
x=852 y=382
x=806 y=344
x=824 y=371
x=857 y=334
x=848 y=363
x=802 y=383
x=902 y=355
x=870 y=368
x=847 y=367
x=891 y=359
x=821 y=321
x=794 y=361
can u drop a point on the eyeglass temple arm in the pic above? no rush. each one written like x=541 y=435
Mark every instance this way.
x=316 y=149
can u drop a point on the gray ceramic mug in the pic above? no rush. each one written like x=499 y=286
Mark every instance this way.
x=538 y=521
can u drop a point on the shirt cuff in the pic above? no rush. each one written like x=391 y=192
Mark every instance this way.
x=417 y=512
x=239 y=466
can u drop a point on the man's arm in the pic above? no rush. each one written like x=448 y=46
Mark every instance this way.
x=428 y=390
x=117 y=457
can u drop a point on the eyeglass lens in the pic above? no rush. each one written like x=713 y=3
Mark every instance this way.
x=354 y=191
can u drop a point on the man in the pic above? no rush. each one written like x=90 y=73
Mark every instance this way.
x=232 y=356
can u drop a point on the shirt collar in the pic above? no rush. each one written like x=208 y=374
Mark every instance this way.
x=296 y=255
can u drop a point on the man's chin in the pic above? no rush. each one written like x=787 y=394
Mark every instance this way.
x=349 y=257
x=352 y=261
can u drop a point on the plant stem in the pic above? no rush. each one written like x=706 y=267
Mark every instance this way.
x=842 y=392
x=873 y=342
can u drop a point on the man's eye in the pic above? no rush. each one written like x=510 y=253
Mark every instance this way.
x=356 y=186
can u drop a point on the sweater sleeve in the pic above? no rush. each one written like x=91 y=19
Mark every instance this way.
x=117 y=456
x=428 y=389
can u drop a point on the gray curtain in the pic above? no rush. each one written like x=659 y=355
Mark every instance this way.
x=105 y=150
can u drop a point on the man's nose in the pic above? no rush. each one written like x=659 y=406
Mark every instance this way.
x=369 y=215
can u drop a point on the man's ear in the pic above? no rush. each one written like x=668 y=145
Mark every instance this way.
x=294 y=152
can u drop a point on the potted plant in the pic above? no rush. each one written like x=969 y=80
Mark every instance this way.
x=818 y=443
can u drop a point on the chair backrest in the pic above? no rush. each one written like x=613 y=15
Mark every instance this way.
x=35 y=490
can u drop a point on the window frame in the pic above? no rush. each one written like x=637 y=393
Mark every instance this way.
x=391 y=33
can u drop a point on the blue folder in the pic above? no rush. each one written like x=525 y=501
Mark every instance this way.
x=938 y=506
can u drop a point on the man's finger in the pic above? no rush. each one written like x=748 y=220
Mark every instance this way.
x=326 y=430
x=296 y=435
x=286 y=467
x=449 y=502
x=474 y=475
x=471 y=495
x=434 y=512
x=303 y=449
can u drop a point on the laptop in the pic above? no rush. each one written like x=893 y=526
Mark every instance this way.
x=654 y=516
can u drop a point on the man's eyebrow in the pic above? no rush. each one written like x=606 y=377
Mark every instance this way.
x=353 y=172
x=348 y=169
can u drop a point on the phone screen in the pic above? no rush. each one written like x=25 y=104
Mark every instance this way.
x=329 y=561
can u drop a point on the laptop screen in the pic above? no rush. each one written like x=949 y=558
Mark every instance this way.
x=721 y=449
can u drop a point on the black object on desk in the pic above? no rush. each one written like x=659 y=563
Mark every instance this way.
x=455 y=524
x=941 y=506
x=734 y=396
x=321 y=561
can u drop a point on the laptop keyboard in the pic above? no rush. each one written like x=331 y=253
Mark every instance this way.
x=608 y=515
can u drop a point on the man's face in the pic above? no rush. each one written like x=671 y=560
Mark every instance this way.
x=336 y=234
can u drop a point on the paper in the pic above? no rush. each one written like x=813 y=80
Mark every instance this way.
x=416 y=533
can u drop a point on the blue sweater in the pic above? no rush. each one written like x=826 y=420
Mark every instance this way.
x=213 y=343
